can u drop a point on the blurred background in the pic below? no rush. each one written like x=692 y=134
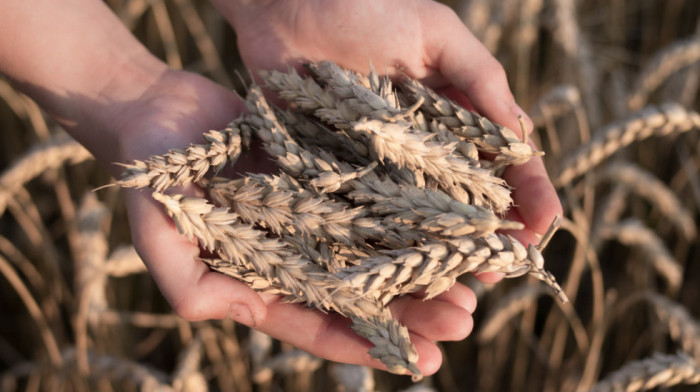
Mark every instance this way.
x=616 y=79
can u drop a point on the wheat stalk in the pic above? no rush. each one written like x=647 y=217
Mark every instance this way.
x=682 y=326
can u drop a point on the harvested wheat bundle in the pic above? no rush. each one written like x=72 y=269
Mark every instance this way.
x=371 y=209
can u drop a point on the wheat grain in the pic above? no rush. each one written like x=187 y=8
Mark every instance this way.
x=658 y=371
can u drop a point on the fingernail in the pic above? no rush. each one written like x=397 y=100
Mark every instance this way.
x=241 y=313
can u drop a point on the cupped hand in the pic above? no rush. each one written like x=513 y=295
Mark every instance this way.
x=173 y=113
x=421 y=38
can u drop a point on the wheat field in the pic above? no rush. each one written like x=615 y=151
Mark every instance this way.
x=613 y=90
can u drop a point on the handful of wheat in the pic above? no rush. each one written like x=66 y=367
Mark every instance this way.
x=382 y=192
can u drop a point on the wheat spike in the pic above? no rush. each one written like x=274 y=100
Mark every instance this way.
x=45 y=156
x=370 y=119
x=658 y=371
x=181 y=167
x=435 y=266
x=663 y=64
x=632 y=232
x=653 y=120
x=656 y=192
x=682 y=327
x=486 y=135
x=430 y=210
x=281 y=205
x=393 y=142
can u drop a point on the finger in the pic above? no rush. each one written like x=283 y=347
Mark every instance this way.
x=433 y=319
x=194 y=292
x=458 y=295
x=330 y=336
x=536 y=202
x=465 y=63
x=490 y=277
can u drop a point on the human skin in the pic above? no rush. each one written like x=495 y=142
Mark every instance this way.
x=86 y=70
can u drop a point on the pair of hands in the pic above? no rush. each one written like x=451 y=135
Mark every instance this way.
x=164 y=108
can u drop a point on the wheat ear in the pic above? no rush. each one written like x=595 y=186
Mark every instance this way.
x=486 y=135
x=436 y=266
x=50 y=154
x=658 y=371
x=632 y=232
x=655 y=192
x=181 y=167
x=372 y=120
x=653 y=120
x=281 y=205
x=663 y=64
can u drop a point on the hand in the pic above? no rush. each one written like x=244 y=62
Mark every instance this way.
x=421 y=38
x=173 y=112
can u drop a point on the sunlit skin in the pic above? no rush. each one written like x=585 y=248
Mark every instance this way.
x=122 y=103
